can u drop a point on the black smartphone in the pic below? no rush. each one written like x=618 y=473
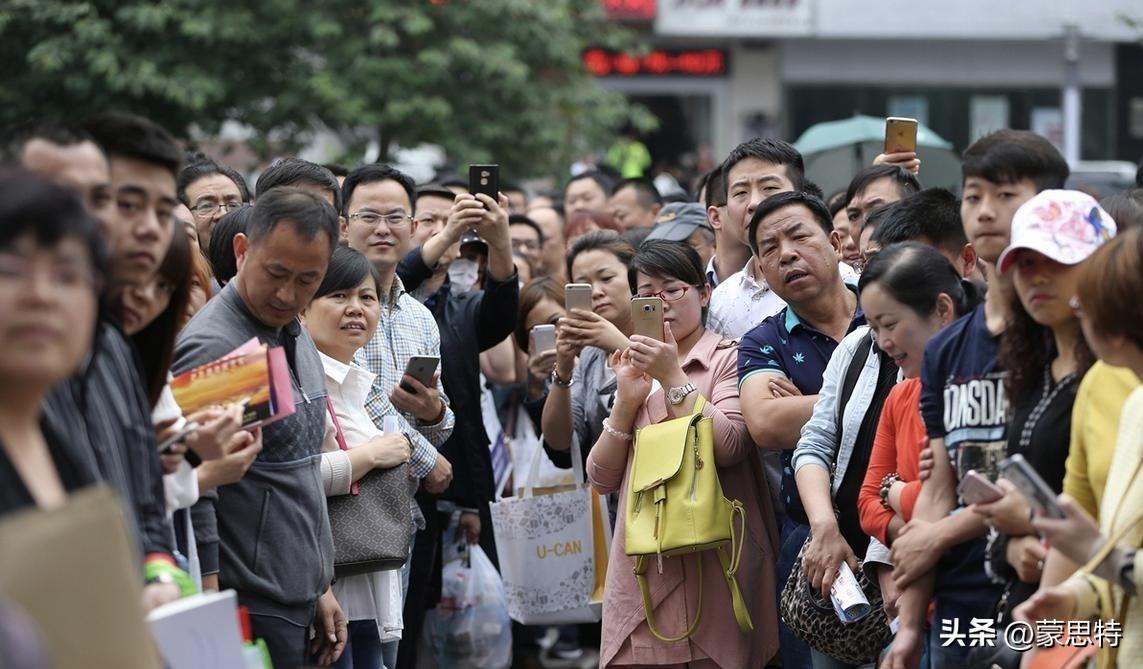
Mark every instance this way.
x=484 y=179
x=167 y=444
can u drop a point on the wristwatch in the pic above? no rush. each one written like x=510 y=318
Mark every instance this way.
x=556 y=380
x=678 y=395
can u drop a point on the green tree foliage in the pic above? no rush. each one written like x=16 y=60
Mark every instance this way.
x=485 y=79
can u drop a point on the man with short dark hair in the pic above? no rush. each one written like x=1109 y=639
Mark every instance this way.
x=964 y=407
x=587 y=192
x=782 y=361
x=104 y=409
x=517 y=198
x=551 y=222
x=931 y=217
x=527 y=240
x=302 y=174
x=870 y=188
x=730 y=250
x=69 y=157
x=210 y=190
x=267 y=536
x=635 y=203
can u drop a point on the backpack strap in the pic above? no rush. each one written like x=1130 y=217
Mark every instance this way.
x=852 y=373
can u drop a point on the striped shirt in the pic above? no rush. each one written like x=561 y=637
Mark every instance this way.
x=105 y=415
x=406 y=328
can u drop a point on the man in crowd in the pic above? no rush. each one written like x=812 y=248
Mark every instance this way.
x=554 y=250
x=489 y=313
x=931 y=217
x=517 y=198
x=267 y=536
x=302 y=174
x=527 y=240
x=124 y=167
x=755 y=170
x=730 y=250
x=686 y=222
x=1001 y=171
x=378 y=221
x=210 y=190
x=872 y=187
x=587 y=193
x=67 y=156
x=781 y=362
x=635 y=203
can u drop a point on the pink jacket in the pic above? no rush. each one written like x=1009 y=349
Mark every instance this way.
x=712 y=366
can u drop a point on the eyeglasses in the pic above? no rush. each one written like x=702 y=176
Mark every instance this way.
x=207 y=209
x=397 y=219
x=670 y=294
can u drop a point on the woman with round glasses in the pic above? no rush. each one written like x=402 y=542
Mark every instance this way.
x=658 y=381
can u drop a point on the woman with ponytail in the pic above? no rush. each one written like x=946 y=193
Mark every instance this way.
x=909 y=292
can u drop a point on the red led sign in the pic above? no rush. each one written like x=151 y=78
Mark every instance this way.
x=629 y=10
x=657 y=63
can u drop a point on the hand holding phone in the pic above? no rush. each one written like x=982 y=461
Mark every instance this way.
x=577 y=296
x=484 y=179
x=542 y=339
x=975 y=488
x=167 y=444
x=900 y=135
x=647 y=317
x=421 y=368
x=1039 y=494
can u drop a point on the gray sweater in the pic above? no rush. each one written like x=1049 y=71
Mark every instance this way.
x=268 y=535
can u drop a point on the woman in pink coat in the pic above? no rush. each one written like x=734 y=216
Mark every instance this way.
x=692 y=362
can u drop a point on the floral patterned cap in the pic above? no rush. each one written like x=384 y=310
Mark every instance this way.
x=1064 y=225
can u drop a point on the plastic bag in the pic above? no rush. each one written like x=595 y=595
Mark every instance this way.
x=470 y=628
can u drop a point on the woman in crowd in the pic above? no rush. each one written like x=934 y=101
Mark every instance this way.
x=1111 y=279
x=200 y=286
x=696 y=363
x=52 y=264
x=541 y=303
x=341 y=318
x=1046 y=355
x=581 y=392
x=909 y=292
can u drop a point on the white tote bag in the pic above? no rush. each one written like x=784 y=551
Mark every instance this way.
x=553 y=548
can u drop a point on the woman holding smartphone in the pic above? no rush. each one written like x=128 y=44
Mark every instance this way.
x=1046 y=355
x=658 y=380
x=1112 y=279
x=582 y=390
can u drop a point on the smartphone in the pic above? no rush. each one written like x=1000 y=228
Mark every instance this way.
x=577 y=296
x=1038 y=493
x=421 y=368
x=900 y=135
x=647 y=314
x=543 y=338
x=169 y=443
x=975 y=488
x=484 y=179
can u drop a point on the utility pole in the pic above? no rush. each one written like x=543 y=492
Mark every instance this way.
x=1072 y=107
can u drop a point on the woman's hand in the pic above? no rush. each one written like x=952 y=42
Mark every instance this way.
x=216 y=426
x=1010 y=514
x=540 y=365
x=1026 y=555
x=1054 y=603
x=658 y=359
x=823 y=557
x=1076 y=535
x=586 y=328
x=389 y=450
x=172 y=458
x=632 y=385
x=567 y=348
x=241 y=451
x=889 y=590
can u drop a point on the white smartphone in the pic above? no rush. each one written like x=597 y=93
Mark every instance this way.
x=577 y=296
x=975 y=488
x=543 y=338
x=421 y=368
x=1038 y=493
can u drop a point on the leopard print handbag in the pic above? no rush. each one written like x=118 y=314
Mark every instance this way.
x=814 y=621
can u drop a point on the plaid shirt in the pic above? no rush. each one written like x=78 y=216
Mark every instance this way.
x=406 y=328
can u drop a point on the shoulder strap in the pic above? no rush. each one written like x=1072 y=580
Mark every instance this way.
x=852 y=373
x=339 y=435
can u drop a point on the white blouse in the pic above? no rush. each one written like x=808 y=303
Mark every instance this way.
x=377 y=595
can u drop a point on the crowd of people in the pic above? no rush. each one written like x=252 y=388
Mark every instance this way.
x=861 y=358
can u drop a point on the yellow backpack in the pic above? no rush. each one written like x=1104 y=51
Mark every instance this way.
x=675 y=506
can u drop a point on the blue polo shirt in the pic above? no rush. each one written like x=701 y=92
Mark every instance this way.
x=783 y=344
